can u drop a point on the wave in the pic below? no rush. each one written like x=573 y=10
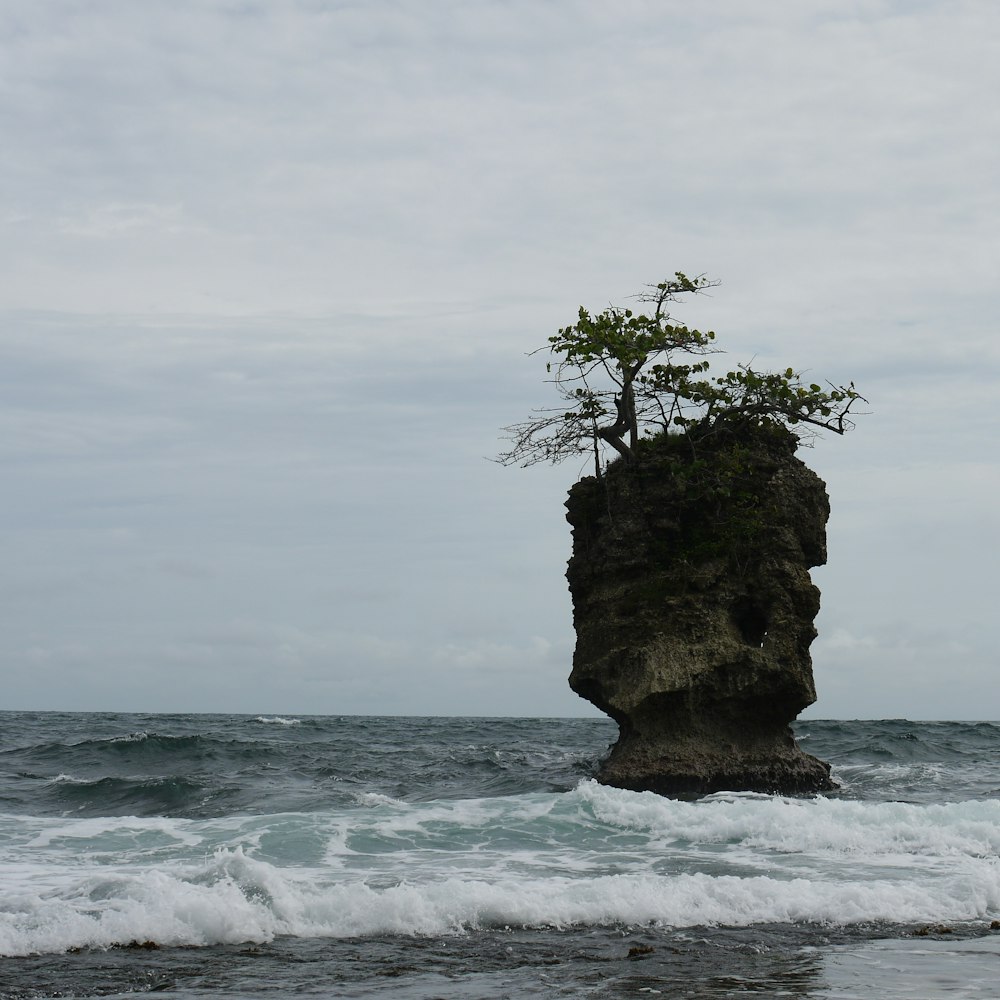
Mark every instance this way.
x=201 y=766
x=900 y=741
x=280 y=764
x=237 y=899
x=148 y=796
x=592 y=857
x=793 y=826
x=139 y=746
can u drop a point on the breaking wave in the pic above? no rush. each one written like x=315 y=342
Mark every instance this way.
x=594 y=856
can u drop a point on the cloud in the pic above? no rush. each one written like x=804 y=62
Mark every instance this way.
x=906 y=667
x=324 y=155
x=116 y=219
x=272 y=270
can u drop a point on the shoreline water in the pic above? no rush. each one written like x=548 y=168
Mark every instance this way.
x=806 y=963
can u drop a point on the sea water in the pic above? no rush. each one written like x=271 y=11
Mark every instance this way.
x=271 y=856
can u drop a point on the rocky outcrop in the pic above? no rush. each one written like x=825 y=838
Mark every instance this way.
x=694 y=611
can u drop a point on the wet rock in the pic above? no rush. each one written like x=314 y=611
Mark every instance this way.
x=640 y=951
x=924 y=930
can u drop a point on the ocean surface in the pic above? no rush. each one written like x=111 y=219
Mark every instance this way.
x=210 y=856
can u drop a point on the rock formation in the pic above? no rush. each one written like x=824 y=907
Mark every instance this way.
x=694 y=611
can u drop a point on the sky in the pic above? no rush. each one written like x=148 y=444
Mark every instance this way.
x=272 y=270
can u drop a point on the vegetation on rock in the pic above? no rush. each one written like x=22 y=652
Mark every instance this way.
x=624 y=376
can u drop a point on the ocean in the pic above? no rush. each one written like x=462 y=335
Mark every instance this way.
x=211 y=856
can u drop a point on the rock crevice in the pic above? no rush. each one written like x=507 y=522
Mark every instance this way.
x=694 y=611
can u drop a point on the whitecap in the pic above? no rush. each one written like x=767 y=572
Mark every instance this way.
x=373 y=799
x=235 y=898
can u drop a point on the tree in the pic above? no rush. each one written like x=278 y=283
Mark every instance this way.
x=624 y=375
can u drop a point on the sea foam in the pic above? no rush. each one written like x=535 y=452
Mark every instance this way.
x=593 y=856
x=236 y=899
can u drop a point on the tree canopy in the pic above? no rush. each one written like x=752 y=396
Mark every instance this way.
x=623 y=375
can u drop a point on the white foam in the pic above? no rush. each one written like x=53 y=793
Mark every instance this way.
x=818 y=825
x=373 y=799
x=277 y=720
x=110 y=831
x=235 y=899
x=592 y=856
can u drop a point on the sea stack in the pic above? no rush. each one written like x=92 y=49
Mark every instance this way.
x=694 y=610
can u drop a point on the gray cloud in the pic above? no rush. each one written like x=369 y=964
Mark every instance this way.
x=272 y=271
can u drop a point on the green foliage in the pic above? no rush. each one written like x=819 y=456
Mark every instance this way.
x=623 y=375
x=718 y=496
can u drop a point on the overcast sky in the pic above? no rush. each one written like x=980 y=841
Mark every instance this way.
x=271 y=269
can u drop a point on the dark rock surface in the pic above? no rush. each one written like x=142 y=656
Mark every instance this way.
x=694 y=611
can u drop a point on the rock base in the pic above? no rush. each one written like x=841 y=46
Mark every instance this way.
x=700 y=765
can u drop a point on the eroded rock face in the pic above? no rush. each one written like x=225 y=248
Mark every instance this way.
x=694 y=612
